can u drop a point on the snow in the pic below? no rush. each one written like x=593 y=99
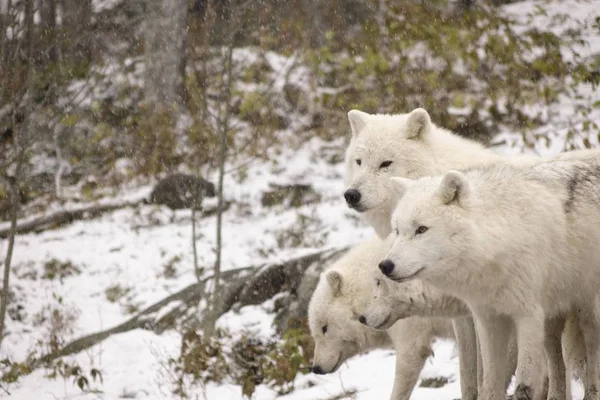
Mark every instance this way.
x=558 y=17
x=129 y=249
x=103 y=5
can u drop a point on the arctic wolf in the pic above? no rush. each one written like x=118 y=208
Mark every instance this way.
x=390 y=301
x=518 y=242
x=411 y=146
x=406 y=146
x=339 y=335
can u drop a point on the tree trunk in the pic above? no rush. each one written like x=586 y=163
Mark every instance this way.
x=166 y=39
x=5 y=7
x=48 y=31
x=197 y=270
x=14 y=194
x=76 y=29
x=223 y=129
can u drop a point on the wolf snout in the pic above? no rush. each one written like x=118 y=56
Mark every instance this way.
x=352 y=197
x=317 y=370
x=386 y=267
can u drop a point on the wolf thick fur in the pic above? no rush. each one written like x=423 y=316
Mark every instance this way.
x=390 y=301
x=518 y=242
x=404 y=145
x=338 y=335
x=411 y=146
x=416 y=147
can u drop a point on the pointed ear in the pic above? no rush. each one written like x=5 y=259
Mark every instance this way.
x=417 y=123
x=358 y=120
x=334 y=279
x=400 y=184
x=454 y=187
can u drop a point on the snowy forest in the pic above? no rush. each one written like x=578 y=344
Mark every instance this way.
x=172 y=175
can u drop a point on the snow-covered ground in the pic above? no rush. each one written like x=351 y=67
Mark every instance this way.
x=140 y=256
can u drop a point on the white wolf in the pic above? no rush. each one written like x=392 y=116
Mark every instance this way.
x=411 y=146
x=338 y=335
x=390 y=301
x=518 y=242
x=407 y=146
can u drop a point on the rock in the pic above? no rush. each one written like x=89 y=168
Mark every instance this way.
x=179 y=191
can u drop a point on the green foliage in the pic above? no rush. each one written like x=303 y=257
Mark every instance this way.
x=13 y=371
x=247 y=361
x=287 y=359
x=154 y=142
x=480 y=61
x=69 y=120
x=200 y=360
x=54 y=269
x=170 y=267
x=48 y=78
x=67 y=371
x=115 y=292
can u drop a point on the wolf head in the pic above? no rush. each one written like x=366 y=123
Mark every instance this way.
x=335 y=329
x=389 y=302
x=431 y=225
x=383 y=146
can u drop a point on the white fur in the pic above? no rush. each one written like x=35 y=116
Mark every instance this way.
x=416 y=148
x=390 y=301
x=424 y=151
x=342 y=290
x=518 y=242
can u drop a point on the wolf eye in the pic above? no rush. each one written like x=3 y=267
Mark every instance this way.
x=378 y=282
x=385 y=164
x=421 y=229
x=359 y=162
x=397 y=232
x=324 y=329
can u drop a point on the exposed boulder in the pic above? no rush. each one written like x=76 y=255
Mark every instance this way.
x=179 y=191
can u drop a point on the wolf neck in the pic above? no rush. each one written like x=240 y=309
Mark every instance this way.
x=450 y=151
x=436 y=304
x=377 y=340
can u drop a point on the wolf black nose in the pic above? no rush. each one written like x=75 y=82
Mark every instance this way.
x=352 y=196
x=362 y=320
x=317 y=370
x=386 y=266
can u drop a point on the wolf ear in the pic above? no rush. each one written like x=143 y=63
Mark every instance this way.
x=358 y=120
x=417 y=123
x=334 y=279
x=400 y=184
x=454 y=187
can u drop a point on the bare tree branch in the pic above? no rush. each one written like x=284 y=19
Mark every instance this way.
x=245 y=286
x=223 y=129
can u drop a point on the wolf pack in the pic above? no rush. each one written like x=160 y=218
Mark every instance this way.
x=499 y=253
